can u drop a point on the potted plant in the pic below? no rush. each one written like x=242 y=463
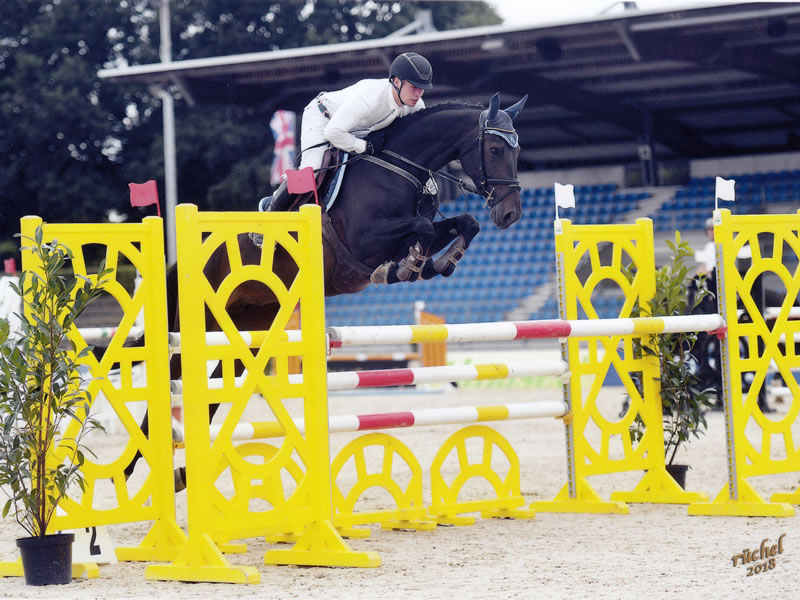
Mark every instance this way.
x=679 y=291
x=40 y=394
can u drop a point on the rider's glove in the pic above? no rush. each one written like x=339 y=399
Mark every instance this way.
x=375 y=142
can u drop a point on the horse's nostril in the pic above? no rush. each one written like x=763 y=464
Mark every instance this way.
x=510 y=218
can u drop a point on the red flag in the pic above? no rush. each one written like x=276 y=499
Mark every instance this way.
x=145 y=194
x=302 y=181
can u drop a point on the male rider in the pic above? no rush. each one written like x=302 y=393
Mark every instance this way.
x=351 y=118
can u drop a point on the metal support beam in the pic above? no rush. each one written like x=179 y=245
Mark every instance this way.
x=668 y=132
x=168 y=117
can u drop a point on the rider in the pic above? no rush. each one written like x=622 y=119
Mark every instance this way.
x=351 y=118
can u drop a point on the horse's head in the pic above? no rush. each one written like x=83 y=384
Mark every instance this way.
x=492 y=164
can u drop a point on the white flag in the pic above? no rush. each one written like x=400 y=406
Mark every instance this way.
x=725 y=189
x=565 y=195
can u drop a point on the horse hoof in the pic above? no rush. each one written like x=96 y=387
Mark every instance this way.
x=381 y=274
x=180 y=479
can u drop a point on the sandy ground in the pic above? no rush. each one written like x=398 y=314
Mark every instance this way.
x=656 y=551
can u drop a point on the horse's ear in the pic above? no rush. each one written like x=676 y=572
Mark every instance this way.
x=494 y=106
x=513 y=110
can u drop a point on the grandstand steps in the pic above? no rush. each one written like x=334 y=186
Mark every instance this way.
x=649 y=206
x=646 y=207
x=530 y=304
x=779 y=208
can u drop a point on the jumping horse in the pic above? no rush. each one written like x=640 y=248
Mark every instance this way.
x=378 y=229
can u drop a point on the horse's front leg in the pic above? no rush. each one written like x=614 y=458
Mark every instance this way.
x=459 y=233
x=413 y=236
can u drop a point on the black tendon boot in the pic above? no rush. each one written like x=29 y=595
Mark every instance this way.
x=281 y=199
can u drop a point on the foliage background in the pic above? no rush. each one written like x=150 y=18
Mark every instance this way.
x=70 y=142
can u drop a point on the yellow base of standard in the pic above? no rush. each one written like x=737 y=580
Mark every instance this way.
x=748 y=504
x=586 y=500
x=322 y=546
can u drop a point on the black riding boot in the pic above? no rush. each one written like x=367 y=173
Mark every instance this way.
x=281 y=199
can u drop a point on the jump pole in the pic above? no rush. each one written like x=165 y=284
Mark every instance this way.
x=405 y=419
x=103 y=333
x=351 y=380
x=520 y=330
x=500 y=331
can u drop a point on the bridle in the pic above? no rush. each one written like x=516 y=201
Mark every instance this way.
x=510 y=138
x=486 y=184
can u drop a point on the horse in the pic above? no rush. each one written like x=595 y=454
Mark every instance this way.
x=376 y=232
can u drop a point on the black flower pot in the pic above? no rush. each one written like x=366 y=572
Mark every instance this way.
x=678 y=473
x=47 y=560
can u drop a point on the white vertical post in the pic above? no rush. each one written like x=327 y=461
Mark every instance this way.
x=168 y=117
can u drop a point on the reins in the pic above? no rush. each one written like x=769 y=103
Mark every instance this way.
x=465 y=187
x=512 y=183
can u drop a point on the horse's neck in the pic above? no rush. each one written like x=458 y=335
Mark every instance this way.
x=440 y=137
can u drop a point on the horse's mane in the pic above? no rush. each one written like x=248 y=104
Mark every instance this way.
x=412 y=119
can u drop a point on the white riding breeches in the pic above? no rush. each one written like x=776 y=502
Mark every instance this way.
x=312 y=133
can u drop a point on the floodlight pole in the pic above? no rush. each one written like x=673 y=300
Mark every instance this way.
x=168 y=119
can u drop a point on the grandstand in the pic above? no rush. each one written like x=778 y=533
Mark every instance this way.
x=498 y=280
x=654 y=103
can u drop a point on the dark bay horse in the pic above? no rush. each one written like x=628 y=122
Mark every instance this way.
x=375 y=232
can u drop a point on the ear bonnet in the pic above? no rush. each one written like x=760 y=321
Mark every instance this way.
x=501 y=122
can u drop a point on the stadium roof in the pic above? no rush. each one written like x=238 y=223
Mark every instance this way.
x=717 y=80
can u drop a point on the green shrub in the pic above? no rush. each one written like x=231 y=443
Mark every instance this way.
x=41 y=389
x=678 y=292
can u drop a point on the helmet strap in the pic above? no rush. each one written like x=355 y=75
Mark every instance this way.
x=397 y=89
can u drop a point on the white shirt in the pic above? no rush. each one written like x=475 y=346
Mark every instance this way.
x=708 y=255
x=359 y=109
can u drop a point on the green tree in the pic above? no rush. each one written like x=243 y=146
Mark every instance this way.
x=71 y=142
x=224 y=152
x=59 y=125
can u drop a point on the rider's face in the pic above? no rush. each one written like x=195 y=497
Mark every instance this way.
x=409 y=93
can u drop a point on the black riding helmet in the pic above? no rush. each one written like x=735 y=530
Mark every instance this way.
x=412 y=67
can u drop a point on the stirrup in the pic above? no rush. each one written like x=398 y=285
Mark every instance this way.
x=264 y=204
x=256 y=238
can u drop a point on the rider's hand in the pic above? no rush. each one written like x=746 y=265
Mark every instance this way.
x=375 y=142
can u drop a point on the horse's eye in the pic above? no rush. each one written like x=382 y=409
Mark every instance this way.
x=497 y=151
